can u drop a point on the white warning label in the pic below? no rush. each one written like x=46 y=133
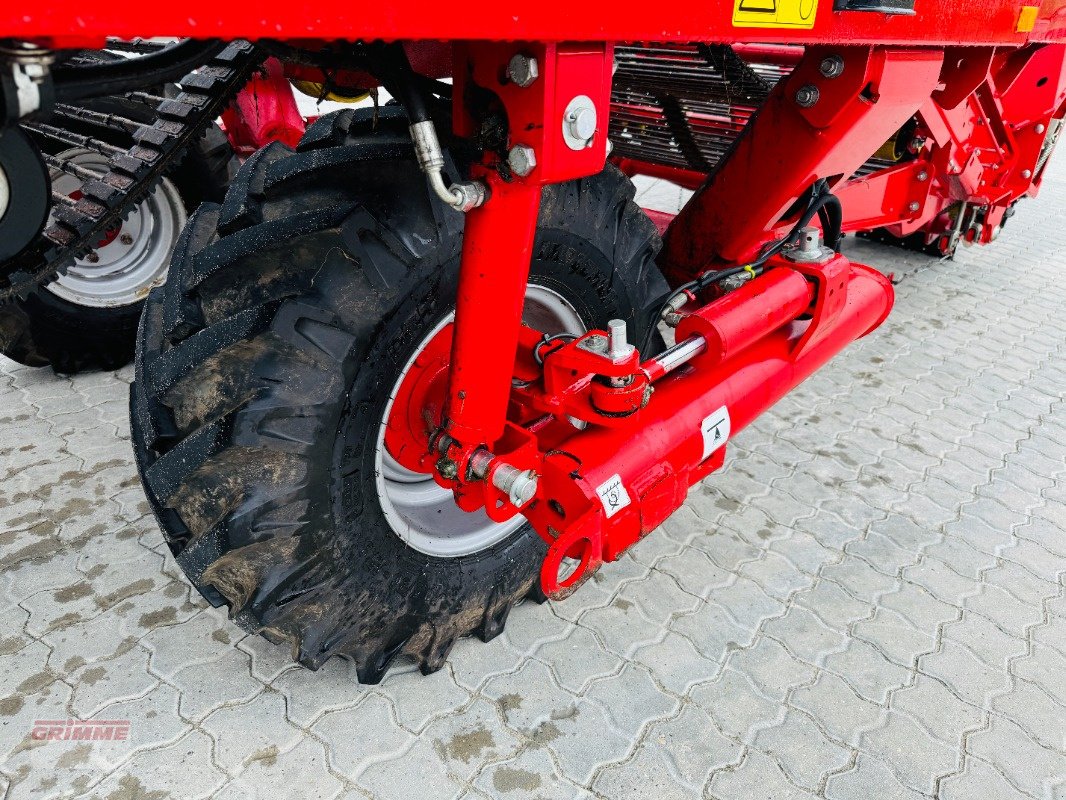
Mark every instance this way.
x=613 y=495
x=715 y=430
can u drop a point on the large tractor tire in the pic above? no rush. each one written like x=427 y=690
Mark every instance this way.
x=267 y=366
x=87 y=318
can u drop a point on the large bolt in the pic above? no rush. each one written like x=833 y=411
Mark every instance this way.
x=596 y=343
x=810 y=242
x=522 y=160
x=520 y=485
x=808 y=248
x=832 y=66
x=618 y=348
x=1039 y=128
x=523 y=70
x=582 y=122
x=579 y=122
x=807 y=96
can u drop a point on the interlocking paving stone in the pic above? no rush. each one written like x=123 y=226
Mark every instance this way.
x=868 y=602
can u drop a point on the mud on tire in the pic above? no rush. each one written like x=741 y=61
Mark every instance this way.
x=265 y=363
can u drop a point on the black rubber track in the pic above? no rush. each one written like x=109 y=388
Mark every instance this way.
x=265 y=363
x=43 y=329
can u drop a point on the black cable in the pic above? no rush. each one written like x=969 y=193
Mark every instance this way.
x=832 y=218
x=168 y=65
x=548 y=340
x=398 y=78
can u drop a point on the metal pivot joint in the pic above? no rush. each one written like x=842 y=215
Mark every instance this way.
x=520 y=485
x=809 y=249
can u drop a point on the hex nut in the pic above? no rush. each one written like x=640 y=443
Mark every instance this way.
x=807 y=96
x=522 y=160
x=832 y=66
x=523 y=70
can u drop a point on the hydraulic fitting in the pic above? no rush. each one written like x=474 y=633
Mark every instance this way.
x=460 y=196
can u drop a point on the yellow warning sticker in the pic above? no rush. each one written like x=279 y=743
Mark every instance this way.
x=774 y=13
x=1027 y=18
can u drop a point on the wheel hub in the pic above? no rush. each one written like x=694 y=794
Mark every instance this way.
x=131 y=257
x=420 y=512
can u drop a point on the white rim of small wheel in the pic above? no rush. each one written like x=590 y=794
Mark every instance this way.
x=134 y=260
x=420 y=512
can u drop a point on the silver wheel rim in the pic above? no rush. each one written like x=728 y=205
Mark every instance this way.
x=136 y=259
x=5 y=192
x=418 y=510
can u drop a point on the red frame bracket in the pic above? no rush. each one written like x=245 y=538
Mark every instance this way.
x=498 y=239
x=787 y=147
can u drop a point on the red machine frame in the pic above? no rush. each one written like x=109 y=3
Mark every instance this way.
x=595 y=443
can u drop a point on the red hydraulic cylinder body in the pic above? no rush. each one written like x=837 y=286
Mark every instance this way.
x=668 y=449
x=748 y=313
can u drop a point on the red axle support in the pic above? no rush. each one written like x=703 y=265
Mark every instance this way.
x=654 y=429
x=498 y=237
x=497 y=247
x=607 y=487
x=874 y=94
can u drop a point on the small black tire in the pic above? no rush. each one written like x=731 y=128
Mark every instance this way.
x=264 y=367
x=45 y=329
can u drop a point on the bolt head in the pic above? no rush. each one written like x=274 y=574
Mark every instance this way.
x=447 y=468
x=832 y=66
x=913 y=206
x=596 y=343
x=807 y=96
x=126 y=239
x=523 y=489
x=923 y=176
x=522 y=160
x=582 y=122
x=92 y=258
x=1027 y=173
x=1039 y=128
x=579 y=122
x=523 y=70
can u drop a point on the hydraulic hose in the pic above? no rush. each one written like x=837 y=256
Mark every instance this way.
x=403 y=83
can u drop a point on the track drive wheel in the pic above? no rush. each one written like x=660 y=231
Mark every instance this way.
x=269 y=364
x=87 y=318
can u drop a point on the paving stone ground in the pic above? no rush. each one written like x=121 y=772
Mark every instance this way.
x=868 y=602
